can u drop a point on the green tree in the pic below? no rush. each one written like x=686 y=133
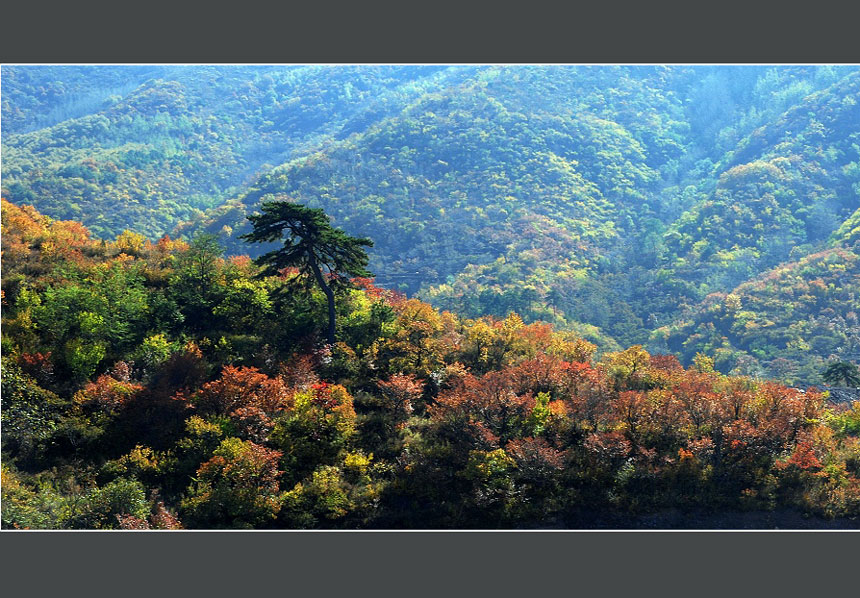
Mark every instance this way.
x=196 y=284
x=311 y=244
x=237 y=487
x=103 y=507
x=844 y=371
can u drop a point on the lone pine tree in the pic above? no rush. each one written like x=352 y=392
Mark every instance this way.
x=311 y=244
x=844 y=371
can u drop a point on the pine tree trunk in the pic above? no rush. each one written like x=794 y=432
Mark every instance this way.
x=329 y=296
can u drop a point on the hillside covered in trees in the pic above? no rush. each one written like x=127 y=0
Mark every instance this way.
x=517 y=296
x=162 y=386
x=145 y=148
x=616 y=202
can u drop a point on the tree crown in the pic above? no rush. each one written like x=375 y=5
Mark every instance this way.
x=309 y=240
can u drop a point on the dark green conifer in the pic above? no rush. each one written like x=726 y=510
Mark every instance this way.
x=311 y=244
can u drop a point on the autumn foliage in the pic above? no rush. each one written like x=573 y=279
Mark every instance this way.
x=418 y=418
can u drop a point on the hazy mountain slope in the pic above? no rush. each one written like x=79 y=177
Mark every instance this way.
x=38 y=97
x=784 y=324
x=790 y=191
x=786 y=188
x=150 y=157
x=848 y=232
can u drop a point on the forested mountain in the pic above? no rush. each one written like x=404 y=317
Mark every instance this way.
x=613 y=201
x=146 y=147
x=601 y=296
x=782 y=324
